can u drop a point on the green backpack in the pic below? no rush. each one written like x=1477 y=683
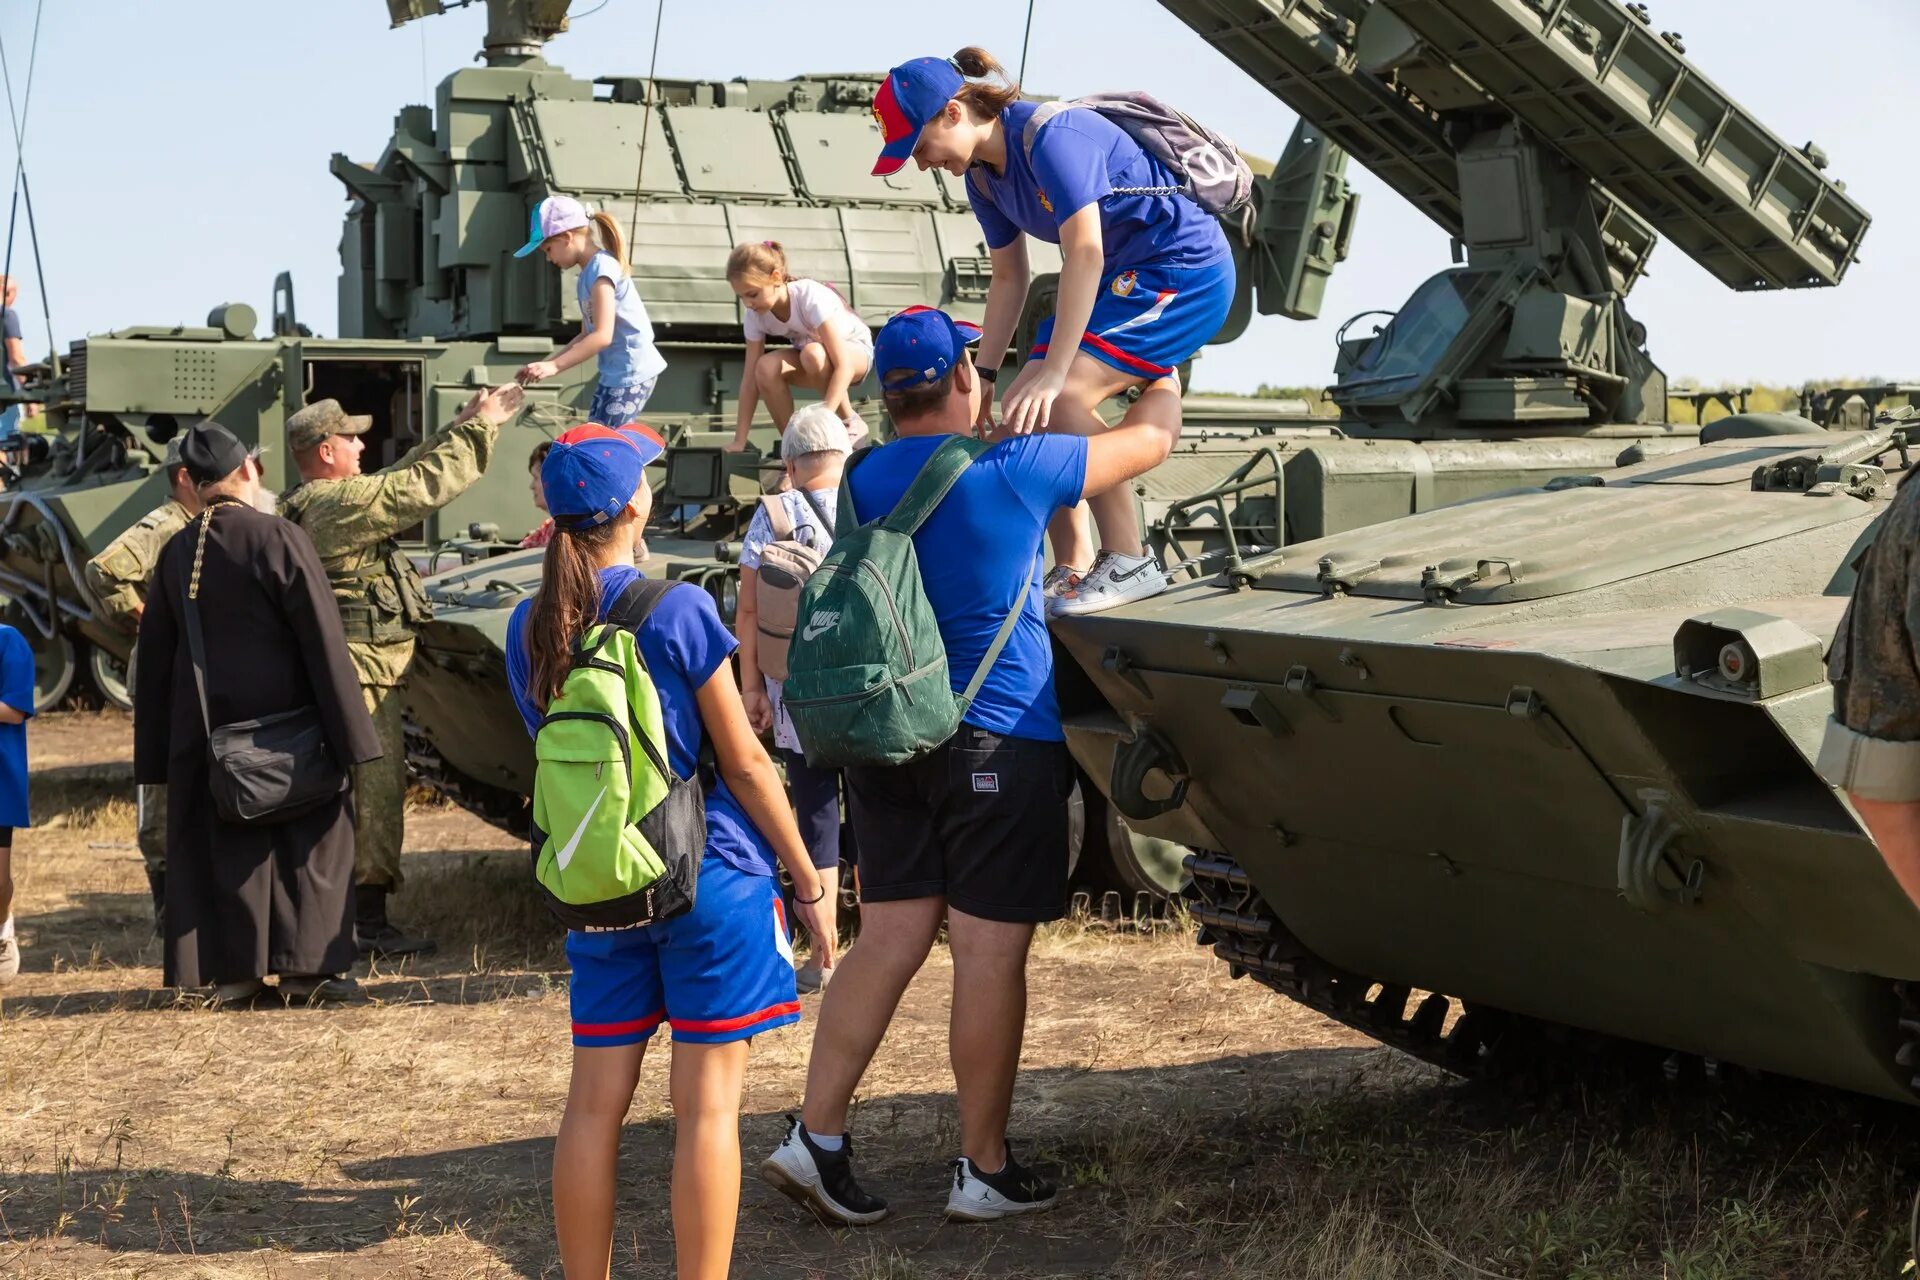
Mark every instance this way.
x=617 y=835
x=867 y=671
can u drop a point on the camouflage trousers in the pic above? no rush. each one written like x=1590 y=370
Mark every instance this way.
x=380 y=794
x=150 y=803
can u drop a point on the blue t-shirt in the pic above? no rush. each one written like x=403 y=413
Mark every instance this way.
x=684 y=643
x=979 y=553
x=16 y=690
x=631 y=358
x=1079 y=157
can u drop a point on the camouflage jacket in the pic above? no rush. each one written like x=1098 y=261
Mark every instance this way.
x=354 y=521
x=1875 y=659
x=117 y=577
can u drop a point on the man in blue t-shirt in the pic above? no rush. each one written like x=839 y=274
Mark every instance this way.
x=13 y=353
x=975 y=834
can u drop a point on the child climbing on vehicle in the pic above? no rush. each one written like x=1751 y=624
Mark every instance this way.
x=830 y=348
x=1146 y=276
x=718 y=970
x=613 y=319
x=785 y=541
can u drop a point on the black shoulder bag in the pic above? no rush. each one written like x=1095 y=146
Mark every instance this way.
x=263 y=771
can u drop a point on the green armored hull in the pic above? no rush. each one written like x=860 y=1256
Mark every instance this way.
x=1601 y=810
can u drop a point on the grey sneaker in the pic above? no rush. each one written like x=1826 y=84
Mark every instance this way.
x=1114 y=580
x=810 y=977
x=9 y=957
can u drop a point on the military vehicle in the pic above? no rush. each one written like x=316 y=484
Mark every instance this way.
x=1594 y=702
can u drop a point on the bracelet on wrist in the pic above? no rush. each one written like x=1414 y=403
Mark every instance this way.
x=986 y=374
x=818 y=897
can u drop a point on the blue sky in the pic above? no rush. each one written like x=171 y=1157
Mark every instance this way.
x=178 y=152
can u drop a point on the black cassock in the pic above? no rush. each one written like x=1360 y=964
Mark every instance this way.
x=246 y=901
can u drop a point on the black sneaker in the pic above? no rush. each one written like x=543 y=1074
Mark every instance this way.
x=988 y=1197
x=820 y=1180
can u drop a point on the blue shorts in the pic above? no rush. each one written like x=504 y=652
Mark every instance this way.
x=619 y=406
x=723 y=971
x=1149 y=320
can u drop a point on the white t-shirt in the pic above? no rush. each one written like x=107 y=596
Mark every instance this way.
x=811 y=307
x=808 y=531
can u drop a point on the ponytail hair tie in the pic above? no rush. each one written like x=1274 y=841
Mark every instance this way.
x=766 y=244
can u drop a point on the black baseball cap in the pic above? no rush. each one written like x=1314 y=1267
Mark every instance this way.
x=210 y=452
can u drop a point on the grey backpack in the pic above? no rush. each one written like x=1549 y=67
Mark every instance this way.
x=1209 y=167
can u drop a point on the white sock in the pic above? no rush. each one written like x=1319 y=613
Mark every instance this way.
x=6 y=927
x=826 y=1143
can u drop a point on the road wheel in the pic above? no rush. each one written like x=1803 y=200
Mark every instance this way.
x=109 y=677
x=55 y=663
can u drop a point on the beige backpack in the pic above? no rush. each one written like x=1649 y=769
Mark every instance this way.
x=785 y=566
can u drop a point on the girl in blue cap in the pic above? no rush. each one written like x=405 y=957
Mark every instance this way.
x=613 y=320
x=1146 y=277
x=719 y=974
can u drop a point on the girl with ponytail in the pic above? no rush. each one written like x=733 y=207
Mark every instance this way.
x=613 y=320
x=829 y=347
x=717 y=975
x=1146 y=278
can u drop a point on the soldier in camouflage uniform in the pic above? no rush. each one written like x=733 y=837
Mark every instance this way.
x=1872 y=747
x=354 y=520
x=117 y=579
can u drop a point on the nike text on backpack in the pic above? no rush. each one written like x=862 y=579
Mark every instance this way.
x=1209 y=167
x=785 y=566
x=867 y=671
x=617 y=835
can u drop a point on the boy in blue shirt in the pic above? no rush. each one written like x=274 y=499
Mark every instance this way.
x=975 y=834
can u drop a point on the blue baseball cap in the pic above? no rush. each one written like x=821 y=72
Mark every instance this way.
x=918 y=346
x=592 y=473
x=912 y=94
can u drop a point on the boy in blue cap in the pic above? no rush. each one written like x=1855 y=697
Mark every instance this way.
x=975 y=834
x=1146 y=276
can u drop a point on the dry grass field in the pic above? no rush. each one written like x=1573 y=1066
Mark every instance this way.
x=1202 y=1127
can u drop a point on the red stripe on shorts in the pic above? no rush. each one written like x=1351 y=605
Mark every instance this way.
x=767 y=1014
x=628 y=1028
x=1131 y=361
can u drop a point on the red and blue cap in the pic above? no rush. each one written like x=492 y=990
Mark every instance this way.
x=912 y=94
x=918 y=346
x=592 y=472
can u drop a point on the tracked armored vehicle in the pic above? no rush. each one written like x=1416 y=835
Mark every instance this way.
x=1597 y=699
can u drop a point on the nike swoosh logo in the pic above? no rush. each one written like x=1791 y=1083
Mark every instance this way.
x=811 y=632
x=564 y=854
x=1134 y=572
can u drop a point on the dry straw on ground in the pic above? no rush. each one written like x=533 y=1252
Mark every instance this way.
x=1202 y=1127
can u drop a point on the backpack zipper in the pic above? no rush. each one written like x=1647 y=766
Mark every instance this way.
x=619 y=731
x=899 y=624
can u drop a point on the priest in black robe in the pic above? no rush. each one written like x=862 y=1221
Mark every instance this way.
x=247 y=901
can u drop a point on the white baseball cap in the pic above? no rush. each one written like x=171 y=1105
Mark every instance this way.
x=550 y=217
x=815 y=429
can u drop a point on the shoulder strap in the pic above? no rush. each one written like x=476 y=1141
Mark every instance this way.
x=636 y=604
x=845 y=516
x=993 y=650
x=1041 y=114
x=938 y=474
x=820 y=512
x=777 y=517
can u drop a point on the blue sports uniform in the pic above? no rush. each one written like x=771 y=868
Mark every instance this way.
x=16 y=690
x=979 y=555
x=1168 y=278
x=723 y=971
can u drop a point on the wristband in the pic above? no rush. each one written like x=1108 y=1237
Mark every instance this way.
x=818 y=897
x=986 y=374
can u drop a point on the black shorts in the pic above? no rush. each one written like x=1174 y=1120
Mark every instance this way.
x=982 y=822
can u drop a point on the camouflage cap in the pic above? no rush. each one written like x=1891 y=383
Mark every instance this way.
x=323 y=418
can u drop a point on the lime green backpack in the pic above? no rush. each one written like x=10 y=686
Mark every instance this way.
x=617 y=835
x=867 y=670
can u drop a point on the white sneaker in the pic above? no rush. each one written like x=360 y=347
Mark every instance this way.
x=810 y=978
x=9 y=953
x=987 y=1197
x=1114 y=580
x=1057 y=583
